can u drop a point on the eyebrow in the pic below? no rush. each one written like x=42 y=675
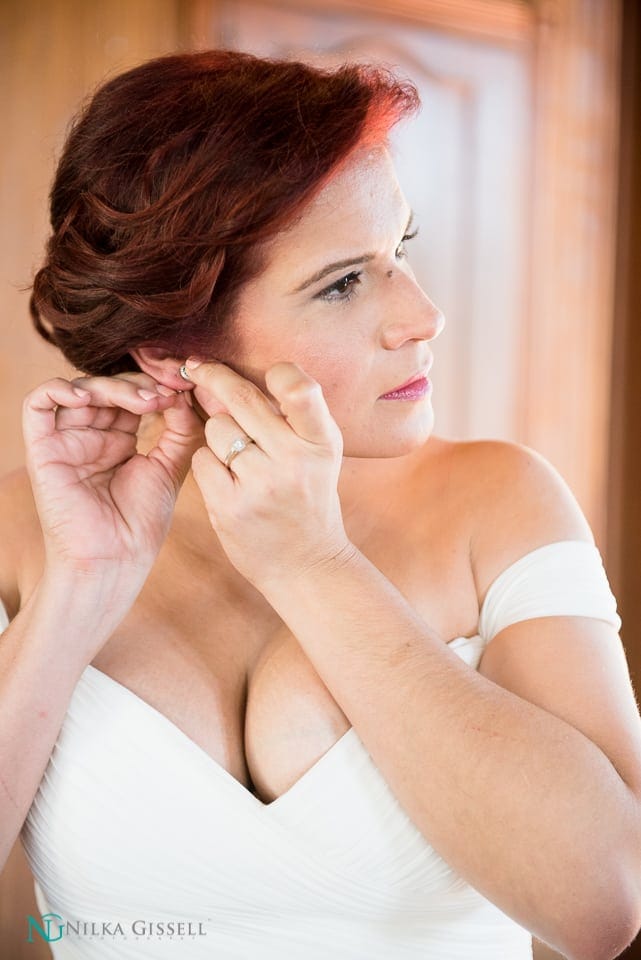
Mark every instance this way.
x=340 y=264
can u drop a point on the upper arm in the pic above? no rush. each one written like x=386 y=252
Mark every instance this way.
x=571 y=666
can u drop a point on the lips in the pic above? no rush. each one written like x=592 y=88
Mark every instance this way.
x=422 y=373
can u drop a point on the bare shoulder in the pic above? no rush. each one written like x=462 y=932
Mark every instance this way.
x=20 y=537
x=514 y=501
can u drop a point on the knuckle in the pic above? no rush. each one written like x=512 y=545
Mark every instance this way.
x=305 y=391
x=212 y=423
x=43 y=389
x=219 y=415
x=26 y=403
x=244 y=393
x=136 y=378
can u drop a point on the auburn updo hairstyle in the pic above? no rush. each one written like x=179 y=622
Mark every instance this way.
x=171 y=178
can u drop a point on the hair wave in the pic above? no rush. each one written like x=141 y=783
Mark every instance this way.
x=170 y=180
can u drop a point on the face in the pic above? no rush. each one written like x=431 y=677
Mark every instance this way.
x=339 y=298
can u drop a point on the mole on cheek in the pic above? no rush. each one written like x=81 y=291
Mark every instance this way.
x=389 y=273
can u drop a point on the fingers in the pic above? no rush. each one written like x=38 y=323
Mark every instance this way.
x=302 y=403
x=224 y=389
x=38 y=410
x=221 y=431
x=99 y=418
x=136 y=393
x=182 y=435
x=303 y=408
x=215 y=481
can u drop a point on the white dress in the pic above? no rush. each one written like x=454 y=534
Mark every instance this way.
x=134 y=825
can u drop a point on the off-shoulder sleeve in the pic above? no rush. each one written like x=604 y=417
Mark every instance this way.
x=566 y=578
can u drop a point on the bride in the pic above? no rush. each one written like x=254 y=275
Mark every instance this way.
x=282 y=669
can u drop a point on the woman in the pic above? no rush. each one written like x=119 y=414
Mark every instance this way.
x=343 y=688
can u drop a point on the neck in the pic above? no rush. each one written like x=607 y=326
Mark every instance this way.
x=364 y=483
x=366 y=489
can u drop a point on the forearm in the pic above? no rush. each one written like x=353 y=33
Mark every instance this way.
x=520 y=803
x=42 y=655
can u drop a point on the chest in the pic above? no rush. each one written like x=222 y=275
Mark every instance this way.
x=230 y=675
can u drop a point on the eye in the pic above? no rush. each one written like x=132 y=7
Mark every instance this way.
x=343 y=290
x=400 y=251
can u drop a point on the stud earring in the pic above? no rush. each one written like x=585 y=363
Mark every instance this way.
x=183 y=373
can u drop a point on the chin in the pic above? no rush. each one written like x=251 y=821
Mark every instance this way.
x=381 y=437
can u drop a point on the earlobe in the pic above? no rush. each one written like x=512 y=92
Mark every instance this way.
x=158 y=362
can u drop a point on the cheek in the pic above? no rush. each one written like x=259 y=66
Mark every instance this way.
x=319 y=347
x=335 y=373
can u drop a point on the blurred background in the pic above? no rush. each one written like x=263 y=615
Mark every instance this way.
x=524 y=169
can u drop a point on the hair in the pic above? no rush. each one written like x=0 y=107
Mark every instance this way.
x=172 y=177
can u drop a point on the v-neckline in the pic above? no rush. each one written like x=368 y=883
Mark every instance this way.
x=240 y=788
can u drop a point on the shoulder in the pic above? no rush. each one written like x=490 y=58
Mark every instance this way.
x=20 y=538
x=514 y=501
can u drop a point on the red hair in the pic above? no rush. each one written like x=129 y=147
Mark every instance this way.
x=172 y=177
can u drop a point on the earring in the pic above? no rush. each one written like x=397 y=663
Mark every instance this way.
x=183 y=373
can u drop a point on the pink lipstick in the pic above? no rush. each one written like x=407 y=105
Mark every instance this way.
x=413 y=390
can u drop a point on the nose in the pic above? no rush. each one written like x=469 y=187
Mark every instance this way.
x=411 y=315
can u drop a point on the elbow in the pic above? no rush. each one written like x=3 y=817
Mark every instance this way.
x=608 y=943
x=612 y=925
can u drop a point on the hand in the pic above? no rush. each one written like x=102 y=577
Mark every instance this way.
x=101 y=504
x=276 y=509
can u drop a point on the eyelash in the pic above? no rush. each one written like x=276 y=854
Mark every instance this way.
x=346 y=286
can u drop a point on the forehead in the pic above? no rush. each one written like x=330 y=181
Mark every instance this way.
x=361 y=203
x=368 y=177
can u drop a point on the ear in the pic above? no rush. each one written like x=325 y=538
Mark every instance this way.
x=161 y=365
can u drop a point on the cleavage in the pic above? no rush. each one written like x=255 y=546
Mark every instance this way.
x=291 y=719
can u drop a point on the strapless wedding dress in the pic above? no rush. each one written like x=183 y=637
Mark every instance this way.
x=142 y=845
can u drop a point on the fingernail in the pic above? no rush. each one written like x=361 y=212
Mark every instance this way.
x=165 y=391
x=192 y=363
x=147 y=394
x=81 y=393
